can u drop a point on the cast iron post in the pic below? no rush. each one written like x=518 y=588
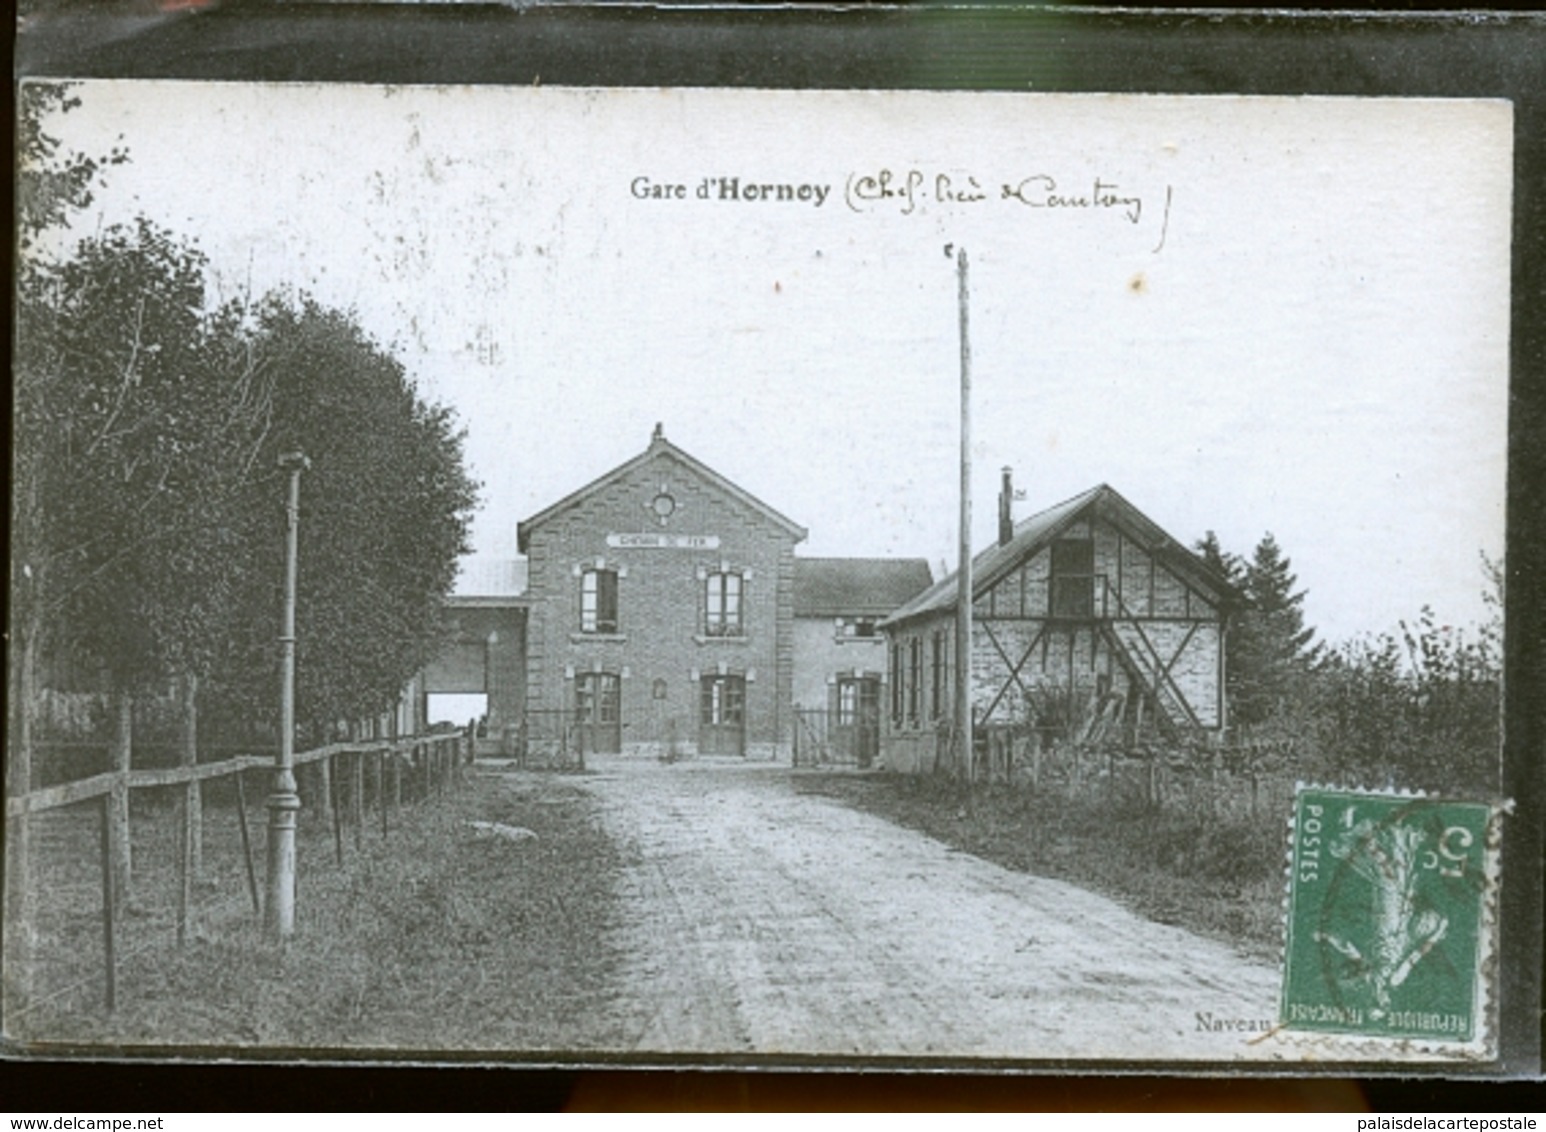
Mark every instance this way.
x=279 y=915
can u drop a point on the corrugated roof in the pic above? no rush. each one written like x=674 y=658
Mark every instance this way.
x=854 y=587
x=1032 y=533
x=480 y=576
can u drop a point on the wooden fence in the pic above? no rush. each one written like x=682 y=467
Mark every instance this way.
x=423 y=765
x=1246 y=780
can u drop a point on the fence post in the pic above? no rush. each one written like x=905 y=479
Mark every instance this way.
x=18 y=783
x=109 y=902
x=252 y=869
x=118 y=811
x=193 y=795
x=357 y=796
x=332 y=798
x=324 y=781
x=397 y=779
x=380 y=784
x=185 y=874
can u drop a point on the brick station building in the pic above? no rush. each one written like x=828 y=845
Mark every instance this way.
x=660 y=610
x=660 y=605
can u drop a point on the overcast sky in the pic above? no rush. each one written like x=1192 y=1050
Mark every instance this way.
x=1309 y=338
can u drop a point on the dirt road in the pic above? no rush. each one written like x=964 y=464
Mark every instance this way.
x=760 y=921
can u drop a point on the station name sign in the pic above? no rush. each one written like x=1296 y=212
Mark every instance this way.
x=651 y=541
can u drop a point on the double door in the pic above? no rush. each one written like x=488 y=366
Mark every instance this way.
x=598 y=712
x=856 y=724
x=722 y=715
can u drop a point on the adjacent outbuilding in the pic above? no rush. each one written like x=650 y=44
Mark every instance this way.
x=1088 y=610
x=840 y=653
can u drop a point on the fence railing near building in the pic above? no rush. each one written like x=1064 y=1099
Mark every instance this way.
x=551 y=739
x=828 y=738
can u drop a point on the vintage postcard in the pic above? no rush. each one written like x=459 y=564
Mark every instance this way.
x=707 y=576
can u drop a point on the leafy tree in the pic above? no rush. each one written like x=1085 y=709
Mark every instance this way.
x=1418 y=708
x=385 y=508
x=137 y=428
x=146 y=517
x=50 y=184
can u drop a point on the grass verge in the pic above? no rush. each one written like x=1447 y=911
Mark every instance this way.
x=1218 y=877
x=436 y=937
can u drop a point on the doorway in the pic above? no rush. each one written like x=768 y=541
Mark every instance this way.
x=598 y=712
x=856 y=730
x=722 y=720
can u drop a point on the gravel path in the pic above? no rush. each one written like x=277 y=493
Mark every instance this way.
x=762 y=921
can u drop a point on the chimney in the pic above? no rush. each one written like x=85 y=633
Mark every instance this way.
x=659 y=434
x=1006 y=495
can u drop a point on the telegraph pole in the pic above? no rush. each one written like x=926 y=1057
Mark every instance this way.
x=284 y=802
x=963 y=689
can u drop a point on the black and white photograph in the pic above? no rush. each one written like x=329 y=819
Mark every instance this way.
x=650 y=576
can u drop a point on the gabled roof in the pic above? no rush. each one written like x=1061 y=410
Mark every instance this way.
x=856 y=587
x=659 y=447
x=1039 y=530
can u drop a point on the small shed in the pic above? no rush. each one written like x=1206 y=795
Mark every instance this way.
x=1087 y=610
x=840 y=654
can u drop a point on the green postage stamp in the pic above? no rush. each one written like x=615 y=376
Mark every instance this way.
x=1389 y=916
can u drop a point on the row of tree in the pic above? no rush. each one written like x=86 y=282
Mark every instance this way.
x=1419 y=706
x=147 y=513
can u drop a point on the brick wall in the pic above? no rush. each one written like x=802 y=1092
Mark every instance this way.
x=661 y=650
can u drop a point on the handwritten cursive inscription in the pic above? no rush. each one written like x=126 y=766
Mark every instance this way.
x=1041 y=191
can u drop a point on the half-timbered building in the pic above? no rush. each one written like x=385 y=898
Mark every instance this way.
x=1087 y=609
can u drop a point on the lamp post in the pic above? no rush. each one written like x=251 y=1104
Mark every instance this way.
x=279 y=913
